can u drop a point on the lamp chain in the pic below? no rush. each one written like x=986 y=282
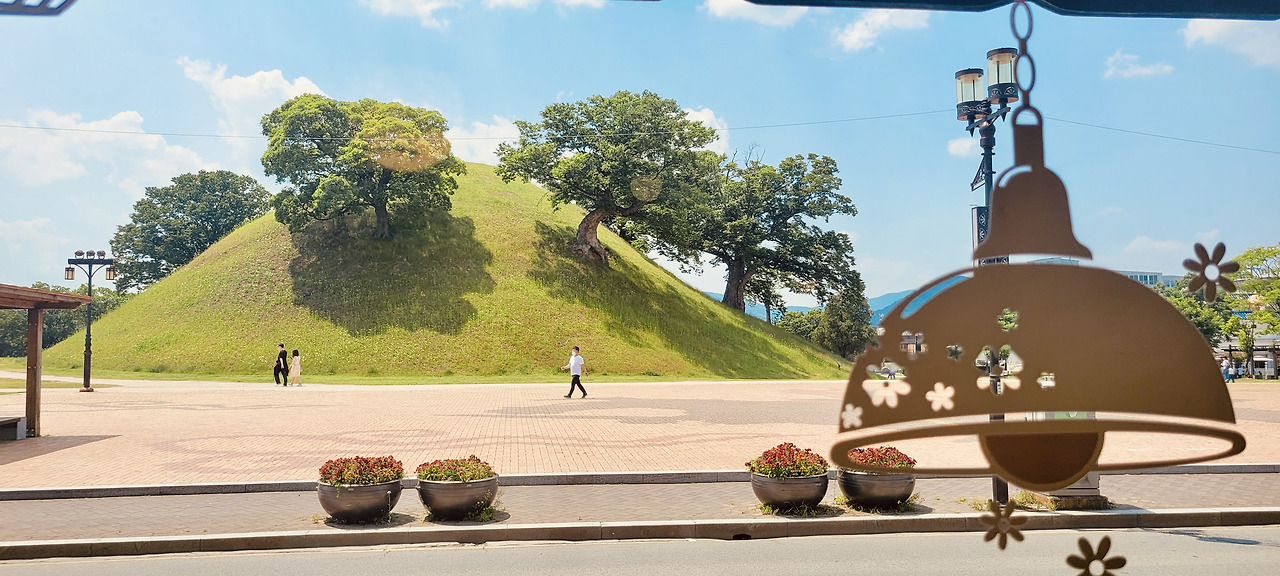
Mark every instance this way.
x=1023 y=53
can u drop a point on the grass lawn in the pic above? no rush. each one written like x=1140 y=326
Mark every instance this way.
x=17 y=364
x=489 y=292
x=14 y=383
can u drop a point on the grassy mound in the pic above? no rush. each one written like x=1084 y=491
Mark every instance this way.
x=488 y=292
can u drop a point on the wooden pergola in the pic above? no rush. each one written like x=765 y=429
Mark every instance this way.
x=35 y=302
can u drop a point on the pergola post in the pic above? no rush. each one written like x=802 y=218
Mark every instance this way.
x=35 y=363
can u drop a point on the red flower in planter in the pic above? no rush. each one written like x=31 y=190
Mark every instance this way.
x=786 y=460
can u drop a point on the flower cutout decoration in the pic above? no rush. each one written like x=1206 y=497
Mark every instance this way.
x=1084 y=563
x=940 y=397
x=851 y=417
x=1201 y=267
x=885 y=391
x=1002 y=523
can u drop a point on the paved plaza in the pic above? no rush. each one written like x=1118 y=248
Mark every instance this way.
x=148 y=432
x=145 y=433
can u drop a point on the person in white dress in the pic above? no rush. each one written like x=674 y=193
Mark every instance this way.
x=295 y=369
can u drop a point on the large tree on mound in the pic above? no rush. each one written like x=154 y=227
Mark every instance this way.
x=758 y=222
x=346 y=157
x=623 y=156
x=173 y=224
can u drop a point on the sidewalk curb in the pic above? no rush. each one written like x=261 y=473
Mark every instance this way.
x=668 y=529
x=553 y=479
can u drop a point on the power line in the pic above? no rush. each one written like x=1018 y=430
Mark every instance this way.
x=731 y=129
x=1174 y=138
x=736 y=128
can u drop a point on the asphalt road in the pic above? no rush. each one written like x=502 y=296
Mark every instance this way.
x=1202 y=552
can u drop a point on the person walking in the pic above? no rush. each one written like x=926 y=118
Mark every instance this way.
x=295 y=369
x=281 y=370
x=577 y=368
x=1228 y=372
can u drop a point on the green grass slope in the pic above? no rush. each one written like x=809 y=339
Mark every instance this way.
x=487 y=292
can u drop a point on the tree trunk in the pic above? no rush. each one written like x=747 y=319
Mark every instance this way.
x=736 y=287
x=384 y=221
x=380 y=206
x=587 y=242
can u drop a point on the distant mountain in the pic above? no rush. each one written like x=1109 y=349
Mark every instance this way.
x=758 y=310
x=882 y=305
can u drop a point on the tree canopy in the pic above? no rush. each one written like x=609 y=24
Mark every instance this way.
x=845 y=327
x=802 y=324
x=58 y=324
x=623 y=156
x=1259 y=282
x=1210 y=318
x=347 y=157
x=173 y=224
x=759 y=219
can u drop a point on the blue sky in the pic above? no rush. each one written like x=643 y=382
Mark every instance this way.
x=163 y=71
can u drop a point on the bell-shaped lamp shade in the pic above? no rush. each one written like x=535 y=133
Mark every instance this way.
x=970 y=94
x=69 y=273
x=1001 y=70
x=111 y=273
x=79 y=253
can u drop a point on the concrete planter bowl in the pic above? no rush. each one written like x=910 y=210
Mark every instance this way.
x=359 y=503
x=870 y=490
x=789 y=493
x=448 y=500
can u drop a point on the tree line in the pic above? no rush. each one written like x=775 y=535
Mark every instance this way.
x=635 y=163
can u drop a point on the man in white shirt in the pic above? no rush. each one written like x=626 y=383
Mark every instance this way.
x=577 y=368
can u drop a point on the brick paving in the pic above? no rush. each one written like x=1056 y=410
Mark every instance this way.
x=150 y=516
x=187 y=432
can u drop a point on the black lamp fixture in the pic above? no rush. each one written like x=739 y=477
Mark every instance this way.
x=90 y=261
x=974 y=106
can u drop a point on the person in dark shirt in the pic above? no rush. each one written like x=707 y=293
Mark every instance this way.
x=281 y=371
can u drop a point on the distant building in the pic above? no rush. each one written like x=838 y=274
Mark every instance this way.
x=1148 y=279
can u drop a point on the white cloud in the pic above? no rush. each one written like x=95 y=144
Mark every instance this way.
x=742 y=10
x=428 y=11
x=244 y=100
x=32 y=241
x=1126 y=66
x=423 y=10
x=534 y=3
x=116 y=147
x=963 y=147
x=1109 y=210
x=1146 y=253
x=1257 y=41
x=709 y=119
x=862 y=34
x=1208 y=238
x=480 y=142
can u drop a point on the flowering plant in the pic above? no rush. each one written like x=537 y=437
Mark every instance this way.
x=361 y=471
x=455 y=470
x=788 y=461
x=883 y=456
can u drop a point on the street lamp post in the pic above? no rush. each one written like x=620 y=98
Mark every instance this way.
x=87 y=260
x=974 y=108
